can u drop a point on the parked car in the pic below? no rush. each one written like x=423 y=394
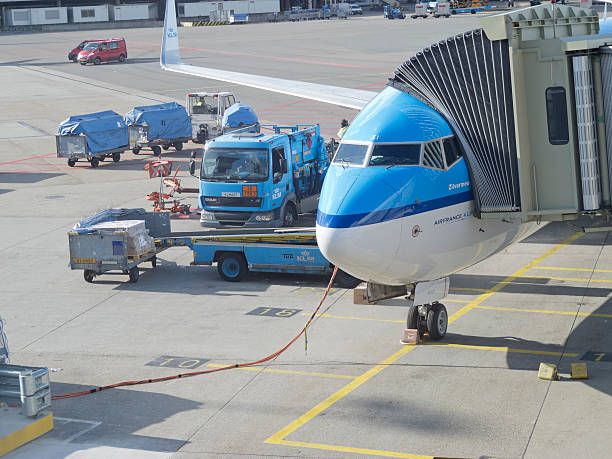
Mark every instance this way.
x=113 y=49
x=356 y=9
x=74 y=54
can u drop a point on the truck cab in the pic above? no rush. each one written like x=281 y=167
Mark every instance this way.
x=252 y=178
x=206 y=111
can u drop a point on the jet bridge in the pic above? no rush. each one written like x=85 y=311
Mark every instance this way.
x=530 y=98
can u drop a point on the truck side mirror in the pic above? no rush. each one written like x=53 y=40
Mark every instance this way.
x=283 y=165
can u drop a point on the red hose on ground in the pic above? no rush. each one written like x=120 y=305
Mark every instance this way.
x=211 y=370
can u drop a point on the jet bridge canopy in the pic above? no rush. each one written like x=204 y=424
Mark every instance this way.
x=525 y=98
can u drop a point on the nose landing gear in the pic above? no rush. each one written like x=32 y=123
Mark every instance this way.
x=431 y=318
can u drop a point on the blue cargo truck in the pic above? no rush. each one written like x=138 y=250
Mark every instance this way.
x=262 y=176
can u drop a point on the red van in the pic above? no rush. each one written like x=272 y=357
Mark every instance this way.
x=74 y=54
x=113 y=49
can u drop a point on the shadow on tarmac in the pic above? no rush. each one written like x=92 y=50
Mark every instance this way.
x=25 y=177
x=121 y=412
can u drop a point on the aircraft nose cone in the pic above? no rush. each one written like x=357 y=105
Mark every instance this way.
x=357 y=238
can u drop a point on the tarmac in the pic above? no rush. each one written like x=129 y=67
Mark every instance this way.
x=352 y=390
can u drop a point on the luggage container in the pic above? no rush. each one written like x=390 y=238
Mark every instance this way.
x=92 y=137
x=158 y=126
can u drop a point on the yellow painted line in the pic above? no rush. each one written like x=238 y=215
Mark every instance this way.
x=279 y=437
x=511 y=278
x=287 y=372
x=469 y=289
x=348 y=449
x=331 y=316
x=567 y=279
x=26 y=434
x=501 y=349
x=547 y=311
x=456 y=301
x=574 y=269
x=329 y=401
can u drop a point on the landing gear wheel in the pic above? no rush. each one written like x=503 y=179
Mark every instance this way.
x=345 y=280
x=134 y=274
x=290 y=215
x=154 y=262
x=437 y=321
x=178 y=146
x=232 y=267
x=166 y=147
x=156 y=150
x=94 y=162
x=88 y=275
x=136 y=150
x=413 y=320
x=116 y=157
x=97 y=61
x=71 y=162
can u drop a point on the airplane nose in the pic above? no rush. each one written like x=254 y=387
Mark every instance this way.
x=357 y=238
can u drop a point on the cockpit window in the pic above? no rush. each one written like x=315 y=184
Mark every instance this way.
x=451 y=151
x=349 y=153
x=396 y=155
x=432 y=155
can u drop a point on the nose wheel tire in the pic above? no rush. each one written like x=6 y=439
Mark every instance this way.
x=437 y=321
x=232 y=267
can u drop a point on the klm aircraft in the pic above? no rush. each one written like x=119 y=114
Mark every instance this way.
x=396 y=206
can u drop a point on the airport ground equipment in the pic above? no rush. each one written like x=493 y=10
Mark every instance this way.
x=99 y=251
x=442 y=9
x=158 y=126
x=529 y=95
x=169 y=185
x=420 y=11
x=4 y=350
x=390 y=12
x=92 y=137
x=262 y=176
x=27 y=386
x=206 y=110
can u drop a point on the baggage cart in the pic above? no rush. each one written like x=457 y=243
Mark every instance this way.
x=74 y=147
x=139 y=138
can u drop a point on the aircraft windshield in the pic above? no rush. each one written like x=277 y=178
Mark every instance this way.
x=90 y=46
x=396 y=155
x=203 y=105
x=235 y=165
x=349 y=153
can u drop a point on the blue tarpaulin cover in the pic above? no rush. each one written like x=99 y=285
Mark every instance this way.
x=104 y=130
x=239 y=115
x=166 y=121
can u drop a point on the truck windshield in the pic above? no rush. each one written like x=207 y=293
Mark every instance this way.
x=90 y=46
x=235 y=165
x=203 y=105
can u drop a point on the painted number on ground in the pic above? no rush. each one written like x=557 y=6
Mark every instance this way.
x=597 y=356
x=274 y=312
x=175 y=361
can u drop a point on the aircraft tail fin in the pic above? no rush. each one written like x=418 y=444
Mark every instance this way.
x=170 y=54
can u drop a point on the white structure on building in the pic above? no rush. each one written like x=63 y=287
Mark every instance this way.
x=36 y=16
x=94 y=13
x=131 y=12
x=219 y=9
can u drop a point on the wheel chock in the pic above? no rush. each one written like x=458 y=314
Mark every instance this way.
x=411 y=336
x=579 y=371
x=548 y=371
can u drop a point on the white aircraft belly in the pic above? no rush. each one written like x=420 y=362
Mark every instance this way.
x=432 y=245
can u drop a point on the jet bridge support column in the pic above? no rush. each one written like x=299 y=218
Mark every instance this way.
x=587 y=132
x=602 y=138
x=606 y=76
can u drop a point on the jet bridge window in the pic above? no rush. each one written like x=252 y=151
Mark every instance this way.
x=432 y=155
x=349 y=153
x=556 y=113
x=396 y=155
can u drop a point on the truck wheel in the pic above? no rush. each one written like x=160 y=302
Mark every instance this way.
x=134 y=274
x=101 y=158
x=94 y=162
x=97 y=61
x=121 y=58
x=75 y=59
x=71 y=162
x=156 y=150
x=116 y=157
x=166 y=146
x=136 y=150
x=232 y=266
x=290 y=215
x=83 y=63
x=178 y=146
x=154 y=261
x=345 y=280
x=88 y=275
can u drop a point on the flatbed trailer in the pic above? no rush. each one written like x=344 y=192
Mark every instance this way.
x=74 y=147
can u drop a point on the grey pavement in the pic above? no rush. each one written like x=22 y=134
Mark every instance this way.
x=354 y=391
